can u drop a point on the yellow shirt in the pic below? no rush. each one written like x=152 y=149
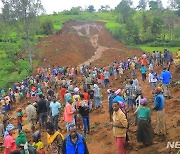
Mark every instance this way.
x=119 y=119
x=39 y=145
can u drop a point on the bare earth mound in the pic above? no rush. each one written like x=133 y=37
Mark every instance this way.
x=81 y=43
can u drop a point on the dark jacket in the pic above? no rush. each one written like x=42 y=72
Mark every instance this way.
x=84 y=111
x=42 y=106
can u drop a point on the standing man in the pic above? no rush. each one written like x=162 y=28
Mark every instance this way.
x=31 y=115
x=153 y=80
x=74 y=142
x=119 y=125
x=106 y=78
x=42 y=109
x=166 y=78
x=159 y=107
x=55 y=110
x=143 y=71
x=69 y=114
x=130 y=90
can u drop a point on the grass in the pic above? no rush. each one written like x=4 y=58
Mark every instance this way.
x=59 y=19
x=151 y=49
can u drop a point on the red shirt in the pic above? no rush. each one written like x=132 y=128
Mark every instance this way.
x=62 y=92
x=86 y=96
x=9 y=142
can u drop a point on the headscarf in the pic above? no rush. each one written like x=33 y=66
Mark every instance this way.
x=122 y=107
x=143 y=101
x=8 y=129
x=21 y=139
x=118 y=91
x=96 y=91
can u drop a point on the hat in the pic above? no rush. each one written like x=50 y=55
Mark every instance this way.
x=118 y=91
x=21 y=139
x=143 y=101
x=76 y=89
x=18 y=109
x=159 y=89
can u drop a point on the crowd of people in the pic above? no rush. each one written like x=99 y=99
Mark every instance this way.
x=72 y=93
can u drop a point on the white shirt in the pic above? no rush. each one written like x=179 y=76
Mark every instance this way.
x=152 y=78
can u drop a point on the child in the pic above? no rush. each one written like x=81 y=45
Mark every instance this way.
x=19 y=119
x=54 y=139
x=37 y=143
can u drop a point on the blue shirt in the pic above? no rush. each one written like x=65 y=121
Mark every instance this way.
x=166 y=77
x=159 y=102
x=55 y=108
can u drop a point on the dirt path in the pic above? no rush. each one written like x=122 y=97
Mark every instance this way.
x=94 y=41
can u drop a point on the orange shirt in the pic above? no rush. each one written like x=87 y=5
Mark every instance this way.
x=68 y=113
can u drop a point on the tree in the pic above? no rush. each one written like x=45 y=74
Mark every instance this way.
x=124 y=8
x=175 y=5
x=142 y=4
x=105 y=8
x=90 y=8
x=155 y=5
x=47 y=27
x=24 y=12
x=156 y=26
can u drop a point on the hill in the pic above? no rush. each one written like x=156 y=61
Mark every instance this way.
x=93 y=43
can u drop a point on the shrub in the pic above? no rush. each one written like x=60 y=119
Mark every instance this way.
x=47 y=27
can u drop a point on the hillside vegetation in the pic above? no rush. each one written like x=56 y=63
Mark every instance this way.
x=139 y=27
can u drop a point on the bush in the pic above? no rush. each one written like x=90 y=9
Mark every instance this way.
x=173 y=43
x=23 y=65
x=47 y=27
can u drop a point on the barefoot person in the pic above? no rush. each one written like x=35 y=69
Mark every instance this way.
x=119 y=125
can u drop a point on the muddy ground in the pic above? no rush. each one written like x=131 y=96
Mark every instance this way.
x=81 y=43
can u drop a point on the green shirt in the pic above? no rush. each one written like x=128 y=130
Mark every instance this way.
x=144 y=113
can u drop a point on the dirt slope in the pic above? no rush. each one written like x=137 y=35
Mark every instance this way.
x=81 y=43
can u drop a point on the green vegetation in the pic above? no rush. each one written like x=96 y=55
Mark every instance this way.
x=151 y=49
x=153 y=29
x=59 y=19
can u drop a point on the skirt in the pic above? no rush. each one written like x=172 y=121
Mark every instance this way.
x=161 y=125
x=144 y=132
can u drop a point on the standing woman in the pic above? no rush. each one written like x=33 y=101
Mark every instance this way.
x=144 y=131
x=97 y=100
x=119 y=125
x=9 y=141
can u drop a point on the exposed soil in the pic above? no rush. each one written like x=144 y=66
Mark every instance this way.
x=81 y=43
